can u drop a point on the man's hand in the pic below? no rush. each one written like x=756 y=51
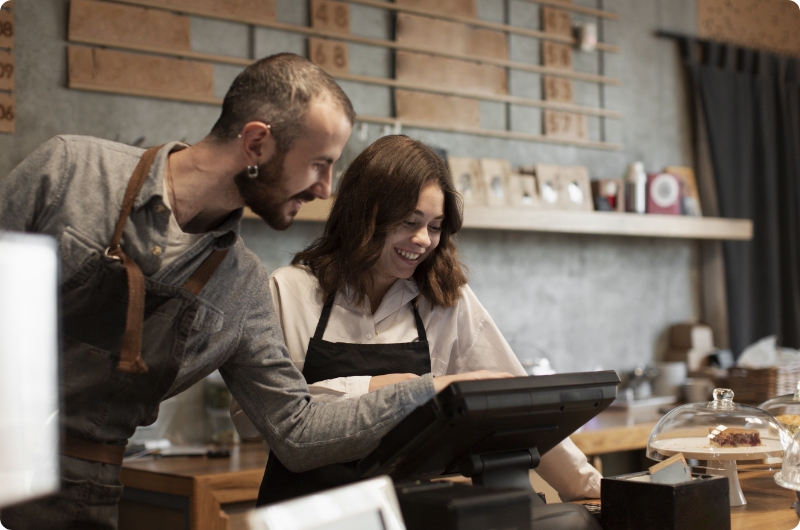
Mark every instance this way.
x=380 y=381
x=439 y=383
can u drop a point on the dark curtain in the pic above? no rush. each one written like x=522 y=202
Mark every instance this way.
x=749 y=102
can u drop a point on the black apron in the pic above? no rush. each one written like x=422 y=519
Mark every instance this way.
x=329 y=360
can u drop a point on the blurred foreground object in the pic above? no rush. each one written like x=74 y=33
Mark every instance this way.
x=28 y=367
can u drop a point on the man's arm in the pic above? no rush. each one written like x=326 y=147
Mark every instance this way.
x=305 y=433
x=30 y=188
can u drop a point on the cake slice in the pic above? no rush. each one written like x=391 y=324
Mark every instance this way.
x=733 y=437
x=790 y=421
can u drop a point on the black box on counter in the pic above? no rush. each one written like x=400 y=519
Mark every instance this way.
x=631 y=502
x=449 y=506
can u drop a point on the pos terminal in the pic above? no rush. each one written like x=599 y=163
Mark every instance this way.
x=493 y=431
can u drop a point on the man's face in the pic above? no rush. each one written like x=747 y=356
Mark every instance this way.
x=302 y=174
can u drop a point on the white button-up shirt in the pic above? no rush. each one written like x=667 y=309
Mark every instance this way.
x=462 y=338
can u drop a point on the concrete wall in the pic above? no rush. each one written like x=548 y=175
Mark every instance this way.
x=583 y=301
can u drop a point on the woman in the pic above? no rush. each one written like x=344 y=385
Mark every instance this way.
x=382 y=297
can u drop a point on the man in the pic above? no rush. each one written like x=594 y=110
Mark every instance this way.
x=165 y=222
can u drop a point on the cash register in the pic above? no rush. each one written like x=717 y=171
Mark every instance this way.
x=493 y=431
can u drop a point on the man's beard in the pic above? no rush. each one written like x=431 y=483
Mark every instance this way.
x=266 y=194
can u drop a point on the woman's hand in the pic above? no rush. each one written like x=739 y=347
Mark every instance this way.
x=380 y=381
x=440 y=383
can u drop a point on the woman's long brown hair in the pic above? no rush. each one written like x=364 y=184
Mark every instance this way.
x=378 y=191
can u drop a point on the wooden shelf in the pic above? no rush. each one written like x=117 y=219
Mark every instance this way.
x=569 y=222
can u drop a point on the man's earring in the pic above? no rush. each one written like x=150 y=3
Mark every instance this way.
x=252 y=172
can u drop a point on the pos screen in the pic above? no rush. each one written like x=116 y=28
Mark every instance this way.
x=474 y=420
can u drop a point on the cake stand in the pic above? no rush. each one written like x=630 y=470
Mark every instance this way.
x=722 y=460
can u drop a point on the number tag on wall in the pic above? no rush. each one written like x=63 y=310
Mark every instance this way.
x=565 y=125
x=557 y=89
x=330 y=15
x=6 y=71
x=6 y=27
x=556 y=55
x=330 y=55
x=556 y=21
x=7 y=113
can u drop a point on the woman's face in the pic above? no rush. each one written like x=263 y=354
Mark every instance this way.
x=414 y=240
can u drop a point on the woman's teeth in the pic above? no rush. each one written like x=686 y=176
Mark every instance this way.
x=408 y=255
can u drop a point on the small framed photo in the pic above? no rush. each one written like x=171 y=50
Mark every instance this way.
x=466 y=174
x=495 y=173
x=564 y=187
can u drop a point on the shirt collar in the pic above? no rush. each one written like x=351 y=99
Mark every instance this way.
x=153 y=187
x=401 y=291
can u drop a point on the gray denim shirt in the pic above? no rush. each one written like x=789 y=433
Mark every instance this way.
x=71 y=187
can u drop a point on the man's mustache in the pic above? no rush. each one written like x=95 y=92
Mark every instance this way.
x=305 y=196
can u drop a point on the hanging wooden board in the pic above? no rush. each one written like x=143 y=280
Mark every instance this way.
x=466 y=8
x=329 y=54
x=451 y=36
x=762 y=24
x=147 y=75
x=6 y=27
x=330 y=15
x=93 y=21
x=565 y=125
x=556 y=55
x=7 y=113
x=435 y=109
x=556 y=21
x=557 y=89
x=256 y=11
x=6 y=70
x=450 y=73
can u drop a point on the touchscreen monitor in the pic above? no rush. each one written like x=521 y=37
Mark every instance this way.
x=473 y=423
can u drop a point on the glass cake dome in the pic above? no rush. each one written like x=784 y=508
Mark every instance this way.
x=719 y=432
x=786 y=409
x=789 y=475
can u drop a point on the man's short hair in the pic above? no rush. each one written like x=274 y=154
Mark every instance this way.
x=277 y=90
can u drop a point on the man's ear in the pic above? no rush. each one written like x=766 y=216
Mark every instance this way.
x=258 y=144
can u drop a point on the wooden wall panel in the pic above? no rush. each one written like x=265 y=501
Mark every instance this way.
x=6 y=70
x=7 y=113
x=466 y=8
x=450 y=73
x=91 y=20
x=450 y=36
x=434 y=109
x=763 y=24
x=131 y=73
x=253 y=10
x=6 y=27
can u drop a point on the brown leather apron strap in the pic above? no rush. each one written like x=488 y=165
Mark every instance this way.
x=130 y=358
x=204 y=272
x=92 y=451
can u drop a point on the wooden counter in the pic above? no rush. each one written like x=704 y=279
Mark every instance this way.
x=617 y=429
x=191 y=493
x=769 y=506
x=196 y=493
